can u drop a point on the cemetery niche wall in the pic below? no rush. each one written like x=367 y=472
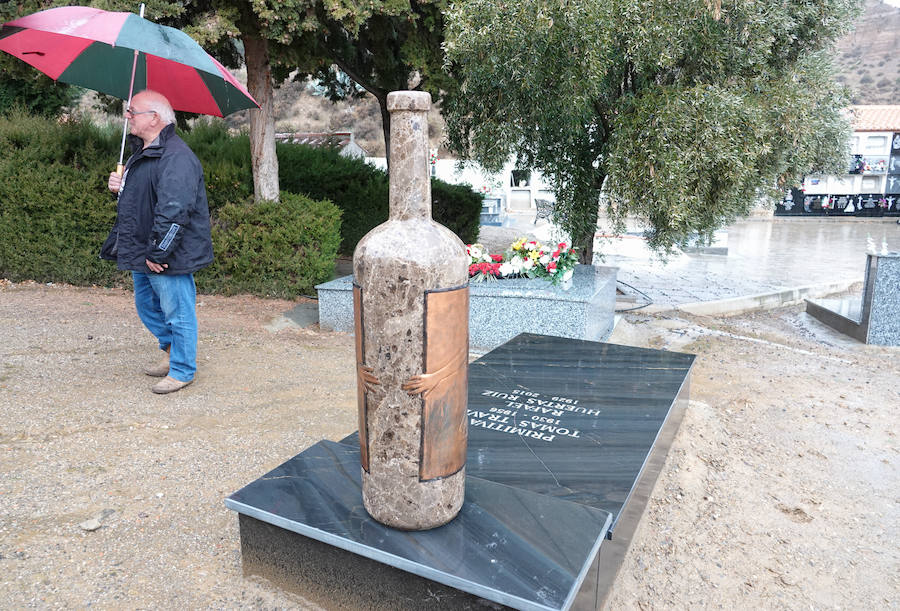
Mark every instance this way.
x=870 y=188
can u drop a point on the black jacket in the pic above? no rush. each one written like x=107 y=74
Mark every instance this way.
x=162 y=212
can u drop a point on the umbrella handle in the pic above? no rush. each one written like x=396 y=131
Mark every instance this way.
x=120 y=167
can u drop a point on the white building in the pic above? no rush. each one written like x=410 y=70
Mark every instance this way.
x=509 y=190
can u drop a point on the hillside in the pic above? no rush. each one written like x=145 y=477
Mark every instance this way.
x=869 y=57
x=297 y=110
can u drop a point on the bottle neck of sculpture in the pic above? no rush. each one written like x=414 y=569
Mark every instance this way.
x=410 y=181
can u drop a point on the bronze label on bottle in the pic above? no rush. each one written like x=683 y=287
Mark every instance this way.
x=361 y=386
x=444 y=385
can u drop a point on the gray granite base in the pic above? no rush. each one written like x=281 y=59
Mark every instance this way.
x=873 y=318
x=502 y=309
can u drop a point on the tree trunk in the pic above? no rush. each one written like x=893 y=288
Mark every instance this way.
x=262 y=121
x=385 y=128
x=380 y=95
x=585 y=246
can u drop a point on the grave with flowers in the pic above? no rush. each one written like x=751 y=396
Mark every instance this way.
x=524 y=259
x=528 y=288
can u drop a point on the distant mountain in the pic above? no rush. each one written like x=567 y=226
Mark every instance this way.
x=868 y=59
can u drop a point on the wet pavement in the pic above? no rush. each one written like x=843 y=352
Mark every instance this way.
x=764 y=256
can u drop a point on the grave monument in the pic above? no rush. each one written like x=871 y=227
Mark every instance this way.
x=411 y=312
x=564 y=438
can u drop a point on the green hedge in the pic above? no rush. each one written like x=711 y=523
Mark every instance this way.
x=226 y=164
x=55 y=213
x=457 y=207
x=273 y=249
x=357 y=188
x=55 y=210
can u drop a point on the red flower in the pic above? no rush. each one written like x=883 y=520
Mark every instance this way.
x=497 y=258
x=473 y=269
x=551 y=266
x=495 y=269
x=555 y=254
x=561 y=245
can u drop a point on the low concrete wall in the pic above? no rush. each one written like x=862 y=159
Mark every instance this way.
x=873 y=317
x=500 y=310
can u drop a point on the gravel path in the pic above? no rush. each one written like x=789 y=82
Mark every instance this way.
x=83 y=437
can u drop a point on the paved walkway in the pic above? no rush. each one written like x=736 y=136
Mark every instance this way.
x=765 y=257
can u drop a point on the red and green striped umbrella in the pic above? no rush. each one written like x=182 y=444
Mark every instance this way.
x=99 y=50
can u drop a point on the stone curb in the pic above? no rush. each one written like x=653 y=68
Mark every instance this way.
x=763 y=301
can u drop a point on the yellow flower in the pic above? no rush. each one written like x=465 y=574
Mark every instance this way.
x=534 y=254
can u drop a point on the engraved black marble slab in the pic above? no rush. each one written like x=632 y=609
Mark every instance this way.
x=508 y=545
x=573 y=419
x=569 y=418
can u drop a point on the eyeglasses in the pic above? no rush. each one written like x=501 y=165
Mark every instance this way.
x=134 y=113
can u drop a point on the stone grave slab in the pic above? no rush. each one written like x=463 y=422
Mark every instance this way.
x=498 y=311
x=574 y=419
x=872 y=317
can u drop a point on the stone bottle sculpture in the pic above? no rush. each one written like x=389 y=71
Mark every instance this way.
x=411 y=310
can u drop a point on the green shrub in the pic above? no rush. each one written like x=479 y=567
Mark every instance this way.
x=226 y=163
x=362 y=193
x=273 y=249
x=55 y=210
x=357 y=188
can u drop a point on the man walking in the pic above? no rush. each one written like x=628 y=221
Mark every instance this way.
x=162 y=235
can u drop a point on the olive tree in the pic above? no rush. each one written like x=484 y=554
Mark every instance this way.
x=678 y=112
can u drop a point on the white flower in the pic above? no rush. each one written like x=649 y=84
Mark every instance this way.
x=507 y=269
x=486 y=257
x=544 y=260
x=568 y=275
x=529 y=263
x=475 y=252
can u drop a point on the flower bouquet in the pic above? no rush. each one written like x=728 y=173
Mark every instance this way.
x=482 y=264
x=524 y=258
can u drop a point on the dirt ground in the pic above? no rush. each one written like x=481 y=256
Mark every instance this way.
x=781 y=490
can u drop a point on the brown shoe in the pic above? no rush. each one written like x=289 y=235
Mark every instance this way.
x=160 y=369
x=167 y=385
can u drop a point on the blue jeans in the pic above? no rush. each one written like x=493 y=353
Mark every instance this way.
x=167 y=307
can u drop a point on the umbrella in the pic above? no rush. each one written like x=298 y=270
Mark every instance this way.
x=118 y=53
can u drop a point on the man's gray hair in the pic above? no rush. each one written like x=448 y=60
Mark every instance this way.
x=158 y=103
